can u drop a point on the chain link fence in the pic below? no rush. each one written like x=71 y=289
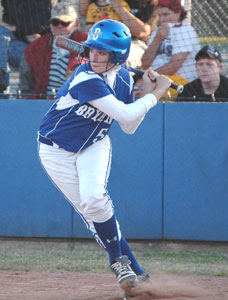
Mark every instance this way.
x=210 y=19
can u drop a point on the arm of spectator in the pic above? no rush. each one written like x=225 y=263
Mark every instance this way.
x=174 y=65
x=90 y=19
x=32 y=37
x=153 y=21
x=26 y=83
x=151 y=52
x=83 y=7
x=138 y=28
x=8 y=26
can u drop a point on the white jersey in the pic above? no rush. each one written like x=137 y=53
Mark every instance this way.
x=182 y=38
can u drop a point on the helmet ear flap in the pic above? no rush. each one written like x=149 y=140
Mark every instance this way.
x=117 y=59
x=113 y=58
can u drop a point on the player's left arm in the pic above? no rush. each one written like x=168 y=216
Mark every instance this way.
x=131 y=115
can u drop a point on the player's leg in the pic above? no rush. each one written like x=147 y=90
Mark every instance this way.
x=60 y=166
x=126 y=250
x=93 y=165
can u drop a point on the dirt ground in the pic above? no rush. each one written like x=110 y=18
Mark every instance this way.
x=33 y=285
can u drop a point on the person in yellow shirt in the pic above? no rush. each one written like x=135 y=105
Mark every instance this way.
x=102 y=9
x=141 y=19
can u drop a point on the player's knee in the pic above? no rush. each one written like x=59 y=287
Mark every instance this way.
x=97 y=206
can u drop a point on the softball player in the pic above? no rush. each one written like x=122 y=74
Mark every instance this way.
x=74 y=146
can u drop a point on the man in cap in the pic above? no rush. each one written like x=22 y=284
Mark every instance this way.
x=45 y=66
x=210 y=84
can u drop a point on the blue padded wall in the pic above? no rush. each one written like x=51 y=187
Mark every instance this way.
x=168 y=180
x=196 y=171
x=29 y=203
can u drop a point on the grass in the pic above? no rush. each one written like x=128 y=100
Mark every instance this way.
x=74 y=255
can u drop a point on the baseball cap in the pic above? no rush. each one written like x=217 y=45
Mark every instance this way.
x=171 y=4
x=209 y=52
x=63 y=12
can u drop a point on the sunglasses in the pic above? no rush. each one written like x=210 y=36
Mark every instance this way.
x=56 y=22
x=138 y=87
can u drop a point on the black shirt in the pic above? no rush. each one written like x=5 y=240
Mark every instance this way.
x=193 y=91
x=142 y=10
x=29 y=16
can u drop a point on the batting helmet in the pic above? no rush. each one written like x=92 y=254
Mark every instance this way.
x=110 y=36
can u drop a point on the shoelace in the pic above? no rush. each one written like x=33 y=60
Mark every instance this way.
x=121 y=268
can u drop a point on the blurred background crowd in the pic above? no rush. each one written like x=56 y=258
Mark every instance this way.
x=186 y=40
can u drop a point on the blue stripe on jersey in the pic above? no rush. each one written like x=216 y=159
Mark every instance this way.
x=74 y=124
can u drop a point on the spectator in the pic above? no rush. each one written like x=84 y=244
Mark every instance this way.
x=210 y=84
x=102 y=9
x=44 y=66
x=141 y=19
x=173 y=45
x=22 y=22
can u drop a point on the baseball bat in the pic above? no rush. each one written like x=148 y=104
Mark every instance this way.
x=65 y=43
x=173 y=86
x=74 y=46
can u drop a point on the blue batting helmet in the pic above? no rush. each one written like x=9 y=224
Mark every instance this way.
x=110 y=36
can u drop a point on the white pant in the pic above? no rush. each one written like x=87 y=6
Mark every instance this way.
x=82 y=178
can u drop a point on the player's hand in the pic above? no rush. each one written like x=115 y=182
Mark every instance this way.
x=162 y=85
x=149 y=79
x=155 y=83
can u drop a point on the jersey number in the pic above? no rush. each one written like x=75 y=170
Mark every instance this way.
x=101 y=134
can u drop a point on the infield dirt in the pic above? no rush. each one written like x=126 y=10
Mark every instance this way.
x=31 y=285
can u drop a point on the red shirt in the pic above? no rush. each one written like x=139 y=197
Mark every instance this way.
x=38 y=55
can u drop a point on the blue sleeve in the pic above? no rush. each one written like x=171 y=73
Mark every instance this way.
x=89 y=90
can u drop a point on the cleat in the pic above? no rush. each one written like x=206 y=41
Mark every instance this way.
x=143 y=278
x=121 y=268
x=140 y=279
